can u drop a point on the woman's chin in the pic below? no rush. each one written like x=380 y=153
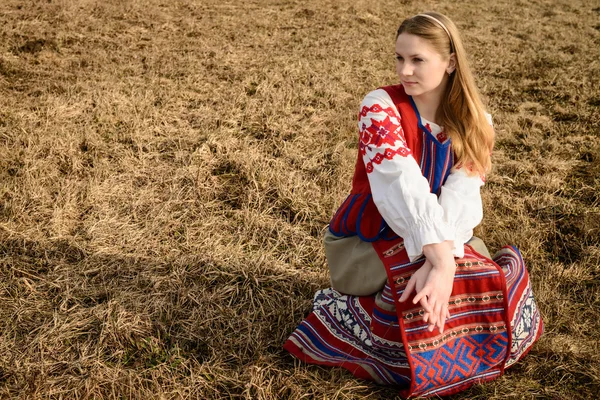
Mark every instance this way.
x=411 y=90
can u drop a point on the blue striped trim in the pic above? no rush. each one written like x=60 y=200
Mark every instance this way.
x=520 y=264
x=359 y=219
x=335 y=216
x=358 y=312
x=319 y=346
x=385 y=317
x=345 y=217
x=435 y=156
x=420 y=125
x=471 y=274
x=388 y=299
x=486 y=311
x=399 y=267
x=386 y=322
x=452 y=316
x=352 y=201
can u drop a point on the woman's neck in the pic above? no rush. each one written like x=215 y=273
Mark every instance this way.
x=428 y=103
x=427 y=110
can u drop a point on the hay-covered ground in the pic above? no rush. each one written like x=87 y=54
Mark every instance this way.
x=167 y=169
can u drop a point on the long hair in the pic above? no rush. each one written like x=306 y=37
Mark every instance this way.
x=461 y=110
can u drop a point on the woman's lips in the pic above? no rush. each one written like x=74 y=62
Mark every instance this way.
x=409 y=83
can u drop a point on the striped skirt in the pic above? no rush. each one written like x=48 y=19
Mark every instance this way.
x=494 y=322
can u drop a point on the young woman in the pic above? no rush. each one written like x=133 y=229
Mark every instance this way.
x=416 y=301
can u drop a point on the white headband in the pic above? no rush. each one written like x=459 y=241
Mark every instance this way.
x=440 y=24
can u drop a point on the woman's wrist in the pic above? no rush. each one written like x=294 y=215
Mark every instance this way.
x=440 y=254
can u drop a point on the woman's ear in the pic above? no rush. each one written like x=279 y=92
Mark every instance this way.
x=451 y=64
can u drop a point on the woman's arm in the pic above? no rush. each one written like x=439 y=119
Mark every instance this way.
x=460 y=198
x=400 y=191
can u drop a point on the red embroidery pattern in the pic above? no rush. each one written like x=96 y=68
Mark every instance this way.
x=382 y=133
x=376 y=108
x=441 y=137
x=389 y=154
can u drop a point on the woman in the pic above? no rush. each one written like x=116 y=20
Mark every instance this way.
x=416 y=301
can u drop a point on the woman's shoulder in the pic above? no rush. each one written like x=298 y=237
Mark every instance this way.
x=377 y=105
x=377 y=96
x=382 y=100
x=393 y=95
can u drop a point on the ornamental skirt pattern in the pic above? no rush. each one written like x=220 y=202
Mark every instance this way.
x=494 y=322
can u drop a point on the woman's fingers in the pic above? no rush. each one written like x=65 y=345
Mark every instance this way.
x=421 y=297
x=433 y=318
x=409 y=288
x=426 y=311
x=437 y=311
x=437 y=317
x=426 y=317
x=444 y=313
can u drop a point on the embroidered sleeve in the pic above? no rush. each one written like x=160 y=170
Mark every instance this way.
x=400 y=191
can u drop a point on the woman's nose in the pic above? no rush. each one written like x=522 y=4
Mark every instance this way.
x=405 y=69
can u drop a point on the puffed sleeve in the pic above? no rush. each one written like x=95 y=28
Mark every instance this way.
x=460 y=198
x=400 y=192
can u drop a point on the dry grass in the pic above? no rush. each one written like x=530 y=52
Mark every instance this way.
x=167 y=168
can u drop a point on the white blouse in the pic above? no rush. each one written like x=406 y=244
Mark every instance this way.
x=402 y=194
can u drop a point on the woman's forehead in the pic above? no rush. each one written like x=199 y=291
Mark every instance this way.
x=410 y=44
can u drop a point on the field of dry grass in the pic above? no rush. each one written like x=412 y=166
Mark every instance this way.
x=167 y=168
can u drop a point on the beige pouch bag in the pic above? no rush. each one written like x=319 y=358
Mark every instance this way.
x=354 y=266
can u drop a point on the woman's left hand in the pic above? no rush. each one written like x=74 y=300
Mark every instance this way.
x=438 y=286
x=416 y=283
x=437 y=291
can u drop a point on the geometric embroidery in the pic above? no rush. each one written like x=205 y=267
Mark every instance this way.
x=459 y=360
x=330 y=304
x=475 y=343
x=360 y=334
x=441 y=136
x=349 y=322
x=386 y=133
x=525 y=326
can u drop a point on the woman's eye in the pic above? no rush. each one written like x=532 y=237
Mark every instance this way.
x=418 y=60
x=399 y=58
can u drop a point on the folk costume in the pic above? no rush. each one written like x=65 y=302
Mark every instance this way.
x=407 y=193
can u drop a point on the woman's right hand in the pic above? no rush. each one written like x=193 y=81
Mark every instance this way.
x=439 y=284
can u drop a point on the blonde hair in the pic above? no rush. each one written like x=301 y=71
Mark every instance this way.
x=461 y=110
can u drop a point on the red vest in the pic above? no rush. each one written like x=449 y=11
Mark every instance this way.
x=358 y=214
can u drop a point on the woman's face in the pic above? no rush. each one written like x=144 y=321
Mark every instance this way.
x=420 y=67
